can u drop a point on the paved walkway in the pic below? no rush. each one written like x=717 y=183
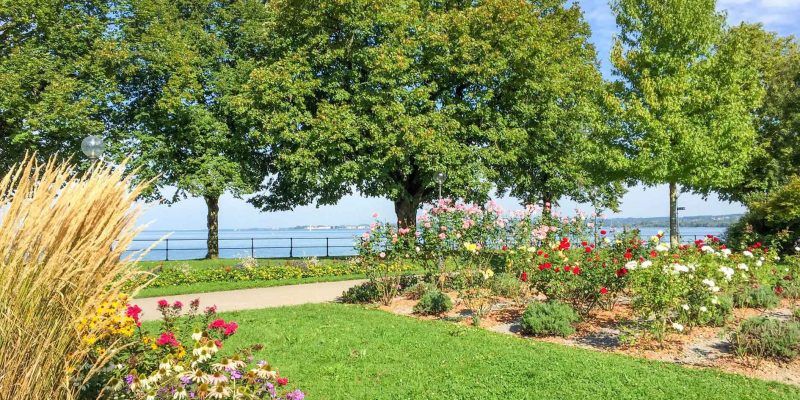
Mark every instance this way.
x=247 y=299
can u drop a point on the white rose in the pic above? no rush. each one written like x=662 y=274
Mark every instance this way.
x=747 y=253
x=703 y=309
x=685 y=307
x=646 y=264
x=743 y=267
x=631 y=265
x=759 y=263
x=678 y=327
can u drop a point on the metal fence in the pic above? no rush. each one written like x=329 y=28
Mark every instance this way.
x=259 y=247
x=269 y=247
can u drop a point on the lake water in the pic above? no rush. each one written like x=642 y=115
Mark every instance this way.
x=187 y=245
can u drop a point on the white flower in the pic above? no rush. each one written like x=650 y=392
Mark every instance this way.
x=747 y=253
x=662 y=247
x=631 y=265
x=707 y=249
x=726 y=252
x=759 y=263
x=180 y=393
x=797 y=249
x=703 y=309
x=727 y=271
x=677 y=268
x=660 y=233
x=197 y=335
x=743 y=267
x=646 y=264
x=762 y=259
x=715 y=300
x=685 y=307
x=678 y=327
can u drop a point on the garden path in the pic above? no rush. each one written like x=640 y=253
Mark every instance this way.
x=247 y=299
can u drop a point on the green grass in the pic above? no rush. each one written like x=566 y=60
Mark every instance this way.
x=336 y=351
x=205 y=287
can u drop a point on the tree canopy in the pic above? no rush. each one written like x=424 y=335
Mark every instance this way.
x=687 y=98
x=184 y=64
x=56 y=76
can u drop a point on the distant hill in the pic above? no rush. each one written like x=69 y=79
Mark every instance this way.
x=711 y=221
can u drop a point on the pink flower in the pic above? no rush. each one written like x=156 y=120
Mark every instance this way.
x=216 y=324
x=167 y=338
x=177 y=305
x=374 y=215
x=442 y=236
x=382 y=255
x=133 y=312
x=163 y=303
x=231 y=328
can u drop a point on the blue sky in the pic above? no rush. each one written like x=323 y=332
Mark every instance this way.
x=777 y=15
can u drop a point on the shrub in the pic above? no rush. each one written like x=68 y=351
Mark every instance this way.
x=506 y=285
x=417 y=291
x=433 y=302
x=62 y=235
x=767 y=337
x=761 y=296
x=549 y=319
x=364 y=293
x=773 y=219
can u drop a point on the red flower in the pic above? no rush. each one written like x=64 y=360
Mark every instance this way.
x=218 y=343
x=163 y=303
x=557 y=269
x=584 y=243
x=177 y=305
x=603 y=290
x=167 y=338
x=567 y=268
x=603 y=232
x=622 y=272
x=524 y=276
x=778 y=290
x=653 y=254
x=133 y=312
x=231 y=328
x=194 y=303
x=282 y=381
x=576 y=270
x=504 y=247
x=216 y=324
x=588 y=249
x=628 y=255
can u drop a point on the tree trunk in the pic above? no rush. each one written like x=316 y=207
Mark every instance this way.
x=674 y=235
x=212 y=222
x=547 y=204
x=406 y=211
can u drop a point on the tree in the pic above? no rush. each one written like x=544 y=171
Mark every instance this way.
x=184 y=65
x=56 y=76
x=687 y=102
x=379 y=97
x=777 y=60
x=553 y=93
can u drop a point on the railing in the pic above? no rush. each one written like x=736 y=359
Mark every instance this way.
x=273 y=247
x=257 y=247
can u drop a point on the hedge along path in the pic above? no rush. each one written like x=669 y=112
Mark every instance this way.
x=249 y=299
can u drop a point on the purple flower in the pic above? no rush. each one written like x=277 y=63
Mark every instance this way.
x=235 y=374
x=295 y=395
x=129 y=379
x=270 y=388
x=186 y=380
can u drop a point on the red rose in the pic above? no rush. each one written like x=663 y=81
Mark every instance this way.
x=622 y=272
x=524 y=276
x=576 y=270
x=167 y=338
x=163 y=303
x=282 y=381
x=567 y=268
x=216 y=324
x=778 y=290
x=504 y=247
x=653 y=254
x=588 y=249
x=628 y=256
x=603 y=232
x=603 y=290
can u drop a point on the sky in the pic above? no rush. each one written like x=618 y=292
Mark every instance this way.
x=781 y=16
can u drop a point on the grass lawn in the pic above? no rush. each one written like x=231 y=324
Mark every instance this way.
x=335 y=351
x=205 y=287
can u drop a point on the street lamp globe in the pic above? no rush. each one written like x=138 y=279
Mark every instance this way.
x=93 y=146
x=441 y=177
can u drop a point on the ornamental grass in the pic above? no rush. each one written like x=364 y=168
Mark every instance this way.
x=62 y=238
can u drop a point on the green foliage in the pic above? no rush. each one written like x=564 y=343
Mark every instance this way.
x=773 y=219
x=762 y=297
x=767 y=337
x=687 y=98
x=433 y=302
x=416 y=291
x=777 y=157
x=366 y=292
x=549 y=319
x=56 y=76
x=506 y=285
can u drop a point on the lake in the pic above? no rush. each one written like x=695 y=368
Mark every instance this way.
x=191 y=244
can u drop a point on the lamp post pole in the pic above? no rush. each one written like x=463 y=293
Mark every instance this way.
x=440 y=178
x=677 y=223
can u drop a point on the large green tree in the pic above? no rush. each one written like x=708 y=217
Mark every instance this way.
x=185 y=63
x=56 y=76
x=777 y=60
x=687 y=101
x=379 y=97
x=549 y=88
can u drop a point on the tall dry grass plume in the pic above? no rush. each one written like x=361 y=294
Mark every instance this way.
x=62 y=236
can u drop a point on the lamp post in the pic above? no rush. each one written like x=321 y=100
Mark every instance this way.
x=677 y=223
x=93 y=147
x=440 y=178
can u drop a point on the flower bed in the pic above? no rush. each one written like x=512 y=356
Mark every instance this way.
x=652 y=297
